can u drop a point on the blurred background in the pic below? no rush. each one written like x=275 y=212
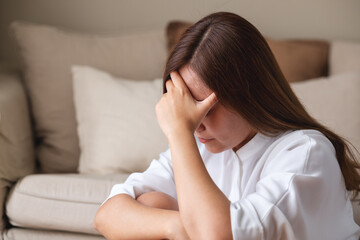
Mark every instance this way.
x=316 y=19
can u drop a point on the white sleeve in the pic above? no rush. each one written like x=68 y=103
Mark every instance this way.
x=158 y=177
x=300 y=193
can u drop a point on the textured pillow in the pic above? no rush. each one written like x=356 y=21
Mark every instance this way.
x=344 y=57
x=334 y=101
x=48 y=54
x=299 y=60
x=174 y=30
x=117 y=125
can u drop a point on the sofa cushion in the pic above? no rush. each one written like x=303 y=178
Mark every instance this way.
x=334 y=101
x=344 y=57
x=31 y=234
x=48 y=54
x=117 y=125
x=16 y=139
x=66 y=202
x=299 y=60
x=174 y=30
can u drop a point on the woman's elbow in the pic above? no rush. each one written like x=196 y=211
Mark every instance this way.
x=99 y=220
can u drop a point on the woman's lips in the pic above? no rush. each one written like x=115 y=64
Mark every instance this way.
x=204 y=140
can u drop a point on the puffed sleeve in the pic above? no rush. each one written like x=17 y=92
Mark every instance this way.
x=300 y=193
x=158 y=177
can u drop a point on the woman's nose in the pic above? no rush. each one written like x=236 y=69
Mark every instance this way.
x=200 y=128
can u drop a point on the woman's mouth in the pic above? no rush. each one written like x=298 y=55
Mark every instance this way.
x=204 y=140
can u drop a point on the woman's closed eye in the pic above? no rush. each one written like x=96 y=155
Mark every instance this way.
x=209 y=112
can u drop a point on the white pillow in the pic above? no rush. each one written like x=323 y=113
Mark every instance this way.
x=334 y=102
x=117 y=126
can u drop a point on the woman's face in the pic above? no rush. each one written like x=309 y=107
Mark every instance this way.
x=221 y=129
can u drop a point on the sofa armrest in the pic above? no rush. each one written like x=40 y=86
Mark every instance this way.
x=16 y=139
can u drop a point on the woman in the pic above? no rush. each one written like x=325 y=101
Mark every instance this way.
x=246 y=161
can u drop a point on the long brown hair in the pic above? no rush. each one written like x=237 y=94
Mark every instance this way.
x=234 y=60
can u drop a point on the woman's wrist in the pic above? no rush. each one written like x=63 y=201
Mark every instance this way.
x=179 y=133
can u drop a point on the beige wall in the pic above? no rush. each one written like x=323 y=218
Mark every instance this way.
x=325 y=19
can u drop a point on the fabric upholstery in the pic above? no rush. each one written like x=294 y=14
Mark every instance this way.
x=117 y=125
x=48 y=54
x=64 y=202
x=334 y=101
x=174 y=30
x=16 y=139
x=299 y=60
x=31 y=234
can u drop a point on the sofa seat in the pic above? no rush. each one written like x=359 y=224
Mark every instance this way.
x=66 y=202
x=31 y=234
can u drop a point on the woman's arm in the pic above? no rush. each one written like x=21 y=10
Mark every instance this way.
x=122 y=217
x=158 y=200
x=204 y=209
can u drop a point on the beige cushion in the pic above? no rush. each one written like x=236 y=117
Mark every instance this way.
x=16 y=140
x=344 y=57
x=66 y=202
x=299 y=60
x=334 y=101
x=48 y=54
x=117 y=124
x=31 y=234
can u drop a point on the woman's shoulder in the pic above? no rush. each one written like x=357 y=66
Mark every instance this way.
x=302 y=138
x=300 y=151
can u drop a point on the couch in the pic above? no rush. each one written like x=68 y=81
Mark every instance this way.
x=79 y=117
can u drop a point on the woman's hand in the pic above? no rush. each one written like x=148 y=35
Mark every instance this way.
x=178 y=111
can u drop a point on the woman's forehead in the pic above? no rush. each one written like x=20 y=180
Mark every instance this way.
x=197 y=87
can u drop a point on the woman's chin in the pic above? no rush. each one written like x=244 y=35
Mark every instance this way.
x=214 y=148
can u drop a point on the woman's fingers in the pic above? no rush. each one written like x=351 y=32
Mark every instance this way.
x=210 y=101
x=206 y=104
x=178 y=81
x=169 y=84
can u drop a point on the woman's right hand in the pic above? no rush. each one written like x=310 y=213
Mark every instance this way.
x=177 y=111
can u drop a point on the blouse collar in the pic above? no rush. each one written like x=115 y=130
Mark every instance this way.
x=255 y=147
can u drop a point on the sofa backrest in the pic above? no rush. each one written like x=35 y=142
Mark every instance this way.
x=48 y=53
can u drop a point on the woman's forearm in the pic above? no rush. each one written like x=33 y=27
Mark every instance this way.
x=122 y=217
x=204 y=209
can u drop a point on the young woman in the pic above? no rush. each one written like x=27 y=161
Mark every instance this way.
x=246 y=161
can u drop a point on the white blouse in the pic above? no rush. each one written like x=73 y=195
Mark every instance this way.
x=284 y=187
